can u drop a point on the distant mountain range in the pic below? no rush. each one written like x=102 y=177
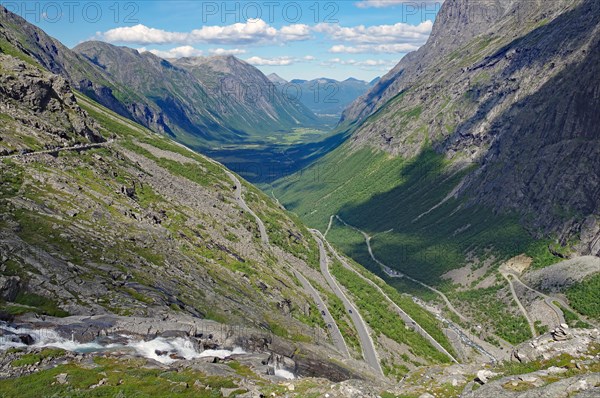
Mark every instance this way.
x=323 y=96
x=199 y=101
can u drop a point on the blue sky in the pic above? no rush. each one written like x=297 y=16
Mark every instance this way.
x=295 y=39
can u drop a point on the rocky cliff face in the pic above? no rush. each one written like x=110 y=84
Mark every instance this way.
x=27 y=39
x=510 y=87
x=457 y=23
x=41 y=105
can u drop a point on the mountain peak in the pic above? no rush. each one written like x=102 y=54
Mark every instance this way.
x=275 y=78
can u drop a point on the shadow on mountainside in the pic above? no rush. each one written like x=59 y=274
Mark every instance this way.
x=527 y=161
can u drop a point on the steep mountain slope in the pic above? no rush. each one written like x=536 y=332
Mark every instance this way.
x=456 y=25
x=90 y=224
x=19 y=37
x=276 y=79
x=39 y=111
x=483 y=106
x=246 y=97
x=476 y=148
x=219 y=99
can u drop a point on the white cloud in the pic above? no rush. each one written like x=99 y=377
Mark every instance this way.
x=308 y=58
x=141 y=34
x=277 y=61
x=295 y=32
x=224 y=51
x=379 y=34
x=392 y=3
x=252 y=31
x=374 y=49
x=177 y=52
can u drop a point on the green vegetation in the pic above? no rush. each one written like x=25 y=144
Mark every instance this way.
x=338 y=312
x=420 y=315
x=394 y=200
x=424 y=318
x=287 y=232
x=585 y=296
x=313 y=319
x=43 y=304
x=242 y=370
x=511 y=368
x=539 y=328
x=572 y=318
x=123 y=379
x=384 y=319
x=489 y=309
x=9 y=49
x=391 y=369
x=196 y=172
x=32 y=359
x=281 y=331
x=11 y=179
x=541 y=255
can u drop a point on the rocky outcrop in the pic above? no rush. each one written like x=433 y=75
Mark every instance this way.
x=562 y=340
x=9 y=287
x=579 y=386
x=558 y=277
x=42 y=102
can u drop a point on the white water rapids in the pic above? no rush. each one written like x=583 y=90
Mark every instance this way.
x=161 y=349
x=177 y=347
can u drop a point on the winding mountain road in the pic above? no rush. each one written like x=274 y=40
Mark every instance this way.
x=519 y=304
x=549 y=300
x=80 y=147
x=407 y=319
x=239 y=197
x=368 y=348
x=395 y=274
x=336 y=334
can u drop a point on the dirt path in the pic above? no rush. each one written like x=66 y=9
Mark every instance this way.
x=328 y=226
x=81 y=147
x=239 y=196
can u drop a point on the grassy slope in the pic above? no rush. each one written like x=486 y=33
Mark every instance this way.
x=378 y=194
x=585 y=297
